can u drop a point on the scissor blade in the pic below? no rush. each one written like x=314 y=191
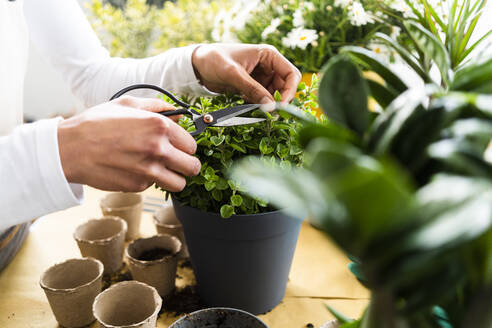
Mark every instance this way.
x=239 y=121
x=227 y=113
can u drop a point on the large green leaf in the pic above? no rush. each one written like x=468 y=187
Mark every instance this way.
x=462 y=157
x=431 y=47
x=474 y=78
x=371 y=61
x=383 y=95
x=327 y=130
x=343 y=94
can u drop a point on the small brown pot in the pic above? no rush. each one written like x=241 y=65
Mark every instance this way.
x=159 y=273
x=71 y=288
x=103 y=239
x=127 y=206
x=127 y=304
x=166 y=222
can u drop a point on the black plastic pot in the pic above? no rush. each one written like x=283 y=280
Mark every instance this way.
x=241 y=262
x=219 y=317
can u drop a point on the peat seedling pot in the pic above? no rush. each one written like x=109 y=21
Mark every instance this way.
x=71 y=288
x=127 y=304
x=219 y=318
x=127 y=206
x=241 y=262
x=166 y=222
x=154 y=261
x=103 y=239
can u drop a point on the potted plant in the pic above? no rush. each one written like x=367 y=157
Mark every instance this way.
x=406 y=192
x=241 y=247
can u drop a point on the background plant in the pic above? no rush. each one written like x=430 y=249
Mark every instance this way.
x=308 y=33
x=139 y=28
x=275 y=139
x=406 y=191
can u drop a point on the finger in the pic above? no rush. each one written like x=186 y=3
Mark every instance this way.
x=181 y=139
x=181 y=162
x=169 y=180
x=154 y=105
x=115 y=179
x=248 y=86
x=272 y=60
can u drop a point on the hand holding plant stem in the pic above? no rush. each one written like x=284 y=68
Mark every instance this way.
x=255 y=71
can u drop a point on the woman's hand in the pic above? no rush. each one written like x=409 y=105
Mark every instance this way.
x=255 y=71
x=118 y=146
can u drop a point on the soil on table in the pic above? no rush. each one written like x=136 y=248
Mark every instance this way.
x=154 y=254
x=123 y=274
x=184 y=300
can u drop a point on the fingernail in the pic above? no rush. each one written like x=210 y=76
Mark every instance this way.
x=266 y=100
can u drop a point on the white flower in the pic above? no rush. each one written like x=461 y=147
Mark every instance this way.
x=358 y=16
x=382 y=50
x=342 y=3
x=270 y=28
x=395 y=31
x=299 y=38
x=298 y=20
x=309 y=6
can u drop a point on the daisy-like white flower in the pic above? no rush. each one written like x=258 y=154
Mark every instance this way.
x=358 y=15
x=342 y=3
x=299 y=38
x=270 y=28
x=382 y=50
x=309 y=6
x=298 y=19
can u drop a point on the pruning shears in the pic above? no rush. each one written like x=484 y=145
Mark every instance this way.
x=224 y=117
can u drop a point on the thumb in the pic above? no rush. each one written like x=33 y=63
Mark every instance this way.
x=249 y=87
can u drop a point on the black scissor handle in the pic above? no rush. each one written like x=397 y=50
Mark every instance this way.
x=153 y=87
x=175 y=112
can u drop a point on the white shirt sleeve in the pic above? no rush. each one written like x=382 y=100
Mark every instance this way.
x=32 y=178
x=61 y=32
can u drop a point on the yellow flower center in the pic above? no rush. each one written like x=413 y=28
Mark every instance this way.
x=302 y=38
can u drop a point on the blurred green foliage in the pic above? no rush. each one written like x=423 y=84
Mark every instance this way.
x=138 y=29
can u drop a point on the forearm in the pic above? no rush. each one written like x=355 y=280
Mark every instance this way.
x=62 y=34
x=32 y=182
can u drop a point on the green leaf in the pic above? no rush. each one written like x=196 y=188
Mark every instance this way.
x=327 y=130
x=370 y=60
x=217 y=140
x=238 y=148
x=217 y=194
x=236 y=200
x=222 y=184
x=277 y=96
x=431 y=47
x=209 y=185
x=226 y=211
x=264 y=146
x=384 y=96
x=339 y=316
x=343 y=94
x=474 y=77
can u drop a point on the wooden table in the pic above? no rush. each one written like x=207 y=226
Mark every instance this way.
x=319 y=273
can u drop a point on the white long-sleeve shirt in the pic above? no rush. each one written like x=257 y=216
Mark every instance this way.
x=32 y=182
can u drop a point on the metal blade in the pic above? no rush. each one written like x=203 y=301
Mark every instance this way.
x=239 y=121
x=227 y=113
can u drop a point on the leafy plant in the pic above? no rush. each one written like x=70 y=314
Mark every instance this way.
x=405 y=191
x=308 y=33
x=219 y=147
x=140 y=28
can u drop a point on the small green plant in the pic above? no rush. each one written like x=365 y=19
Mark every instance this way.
x=219 y=147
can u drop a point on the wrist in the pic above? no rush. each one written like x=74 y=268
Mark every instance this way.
x=195 y=64
x=67 y=147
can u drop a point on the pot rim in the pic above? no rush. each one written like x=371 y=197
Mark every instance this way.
x=161 y=260
x=119 y=208
x=74 y=289
x=103 y=241
x=166 y=225
x=156 y=295
x=233 y=216
x=215 y=309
